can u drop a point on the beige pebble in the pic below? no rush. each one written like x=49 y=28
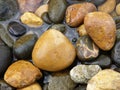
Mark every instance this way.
x=81 y=30
x=31 y=19
x=108 y=6
x=105 y=80
x=42 y=9
x=118 y=9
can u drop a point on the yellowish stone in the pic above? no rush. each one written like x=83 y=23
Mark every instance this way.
x=31 y=19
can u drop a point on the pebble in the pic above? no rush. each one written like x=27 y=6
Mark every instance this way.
x=103 y=61
x=8 y=9
x=86 y=49
x=118 y=9
x=105 y=80
x=42 y=9
x=61 y=82
x=101 y=28
x=108 y=6
x=82 y=73
x=81 y=30
x=5 y=36
x=16 y=29
x=22 y=73
x=56 y=10
x=59 y=27
x=53 y=51
x=45 y=18
x=23 y=47
x=31 y=19
x=115 y=52
x=75 y=13
x=28 y=5
x=34 y=86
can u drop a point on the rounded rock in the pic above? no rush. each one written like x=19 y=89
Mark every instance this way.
x=23 y=47
x=118 y=9
x=56 y=10
x=53 y=51
x=82 y=73
x=81 y=30
x=16 y=29
x=101 y=28
x=108 y=6
x=31 y=19
x=75 y=13
x=46 y=18
x=86 y=49
x=22 y=73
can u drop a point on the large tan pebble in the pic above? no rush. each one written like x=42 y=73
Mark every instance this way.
x=34 y=86
x=108 y=6
x=22 y=73
x=81 y=30
x=118 y=9
x=53 y=51
x=31 y=19
x=75 y=13
x=101 y=28
x=105 y=80
x=42 y=9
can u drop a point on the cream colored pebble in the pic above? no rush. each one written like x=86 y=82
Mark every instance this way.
x=118 y=9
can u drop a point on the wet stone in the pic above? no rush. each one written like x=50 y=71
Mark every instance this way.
x=8 y=8
x=103 y=61
x=86 y=49
x=115 y=53
x=60 y=27
x=6 y=37
x=82 y=73
x=16 y=29
x=24 y=45
x=5 y=86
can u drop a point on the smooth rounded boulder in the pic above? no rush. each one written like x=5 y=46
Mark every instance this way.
x=53 y=51
x=101 y=28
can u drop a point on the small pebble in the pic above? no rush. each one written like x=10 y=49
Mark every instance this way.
x=118 y=9
x=16 y=29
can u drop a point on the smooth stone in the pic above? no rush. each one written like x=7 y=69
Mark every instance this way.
x=28 y=5
x=103 y=61
x=81 y=30
x=31 y=19
x=5 y=86
x=105 y=80
x=118 y=9
x=101 y=27
x=23 y=47
x=46 y=18
x=59 y=27
x=53 y=51
x=56 y=10
x=82 y=73
x=116 y=19
x=16 y=29
x=97 y=2
x=86 y=49
x=34 y=86
x=6 y=58
x=115 y=52
x=8 y=9
x=6 y=37
x=118 y=34
x=42 y=9
x=108 y=6
x=61 y=82
x=75 y=13
x=22 y=73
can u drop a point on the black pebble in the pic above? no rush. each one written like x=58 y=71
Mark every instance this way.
x=16 y=29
